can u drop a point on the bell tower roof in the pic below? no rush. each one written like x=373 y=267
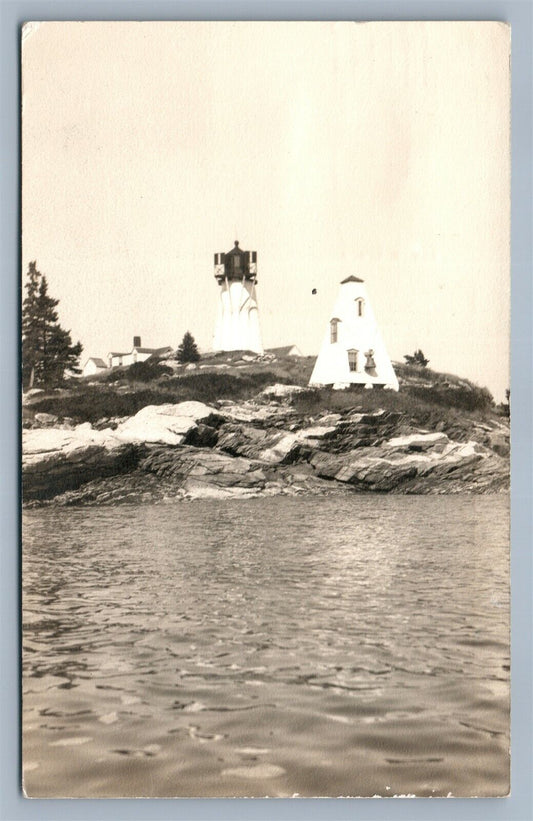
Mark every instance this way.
x=351 y=279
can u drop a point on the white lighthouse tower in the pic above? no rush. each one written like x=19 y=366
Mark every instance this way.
x=353 y=351
x=237 y=325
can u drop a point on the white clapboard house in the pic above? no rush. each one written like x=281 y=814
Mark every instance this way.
x=93 y=366
x=137 y=354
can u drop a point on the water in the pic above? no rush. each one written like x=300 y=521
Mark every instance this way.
x=350 y=645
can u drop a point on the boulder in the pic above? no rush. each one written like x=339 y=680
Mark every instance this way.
x=241 y=440
x=455 y=456
x=417 y=441
x=356 y=429
x=45 y=420
x=490 y=474
x=383 y=469
x=316 y=433
x=499 y=442
x=42 y=444
x=200 y=490
x=134 y=487
x=30 y=394
x=166 y=424
x=259 y=414
x=270 y=446
x=329 y=419
x=202 y=436
x=55 y=460
x=205 y=473
x=280 y=449
x=279 y=391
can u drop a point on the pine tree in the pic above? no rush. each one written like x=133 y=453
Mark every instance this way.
x=187 y=351
x=47 y=349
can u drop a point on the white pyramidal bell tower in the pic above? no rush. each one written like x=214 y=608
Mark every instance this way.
x=237 y=325
x=353 y=351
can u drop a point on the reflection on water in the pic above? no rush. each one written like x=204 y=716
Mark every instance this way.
x=352 y=645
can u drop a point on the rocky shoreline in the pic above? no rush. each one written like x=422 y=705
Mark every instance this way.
x=263 y=446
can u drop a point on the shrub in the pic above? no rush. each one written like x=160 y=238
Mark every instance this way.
x=146 y=371
x=417 y=358
x=469 y=397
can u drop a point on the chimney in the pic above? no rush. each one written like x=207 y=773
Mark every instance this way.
x=136 y=341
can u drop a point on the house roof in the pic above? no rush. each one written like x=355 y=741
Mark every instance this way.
x=150 y=351
x=283 y=351
x=153 y=350
x=97 y=361
x=351 y=279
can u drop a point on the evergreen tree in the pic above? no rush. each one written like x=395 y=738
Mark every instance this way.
x=417 y=358
x=187 y=351
x=47 y=349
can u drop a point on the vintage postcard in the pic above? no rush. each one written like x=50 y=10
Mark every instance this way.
x=265 y=374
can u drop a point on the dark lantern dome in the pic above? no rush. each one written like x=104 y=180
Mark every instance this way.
x=236 y=264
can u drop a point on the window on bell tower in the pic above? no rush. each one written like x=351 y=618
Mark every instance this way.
x=334 y=330
x=352 y=359
x=360 y=306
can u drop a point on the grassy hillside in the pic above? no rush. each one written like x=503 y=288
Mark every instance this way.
x=426 y=398
x=91 y=402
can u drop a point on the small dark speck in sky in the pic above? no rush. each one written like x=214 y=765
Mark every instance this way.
x=313 y=291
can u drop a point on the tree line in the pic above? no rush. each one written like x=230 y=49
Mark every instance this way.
x=48 y=353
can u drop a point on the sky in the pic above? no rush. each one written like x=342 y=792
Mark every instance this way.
x=374 y=149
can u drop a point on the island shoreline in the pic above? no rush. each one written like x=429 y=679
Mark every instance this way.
x=282 y=440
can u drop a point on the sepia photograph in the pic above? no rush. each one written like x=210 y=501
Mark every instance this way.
x=266 y=398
